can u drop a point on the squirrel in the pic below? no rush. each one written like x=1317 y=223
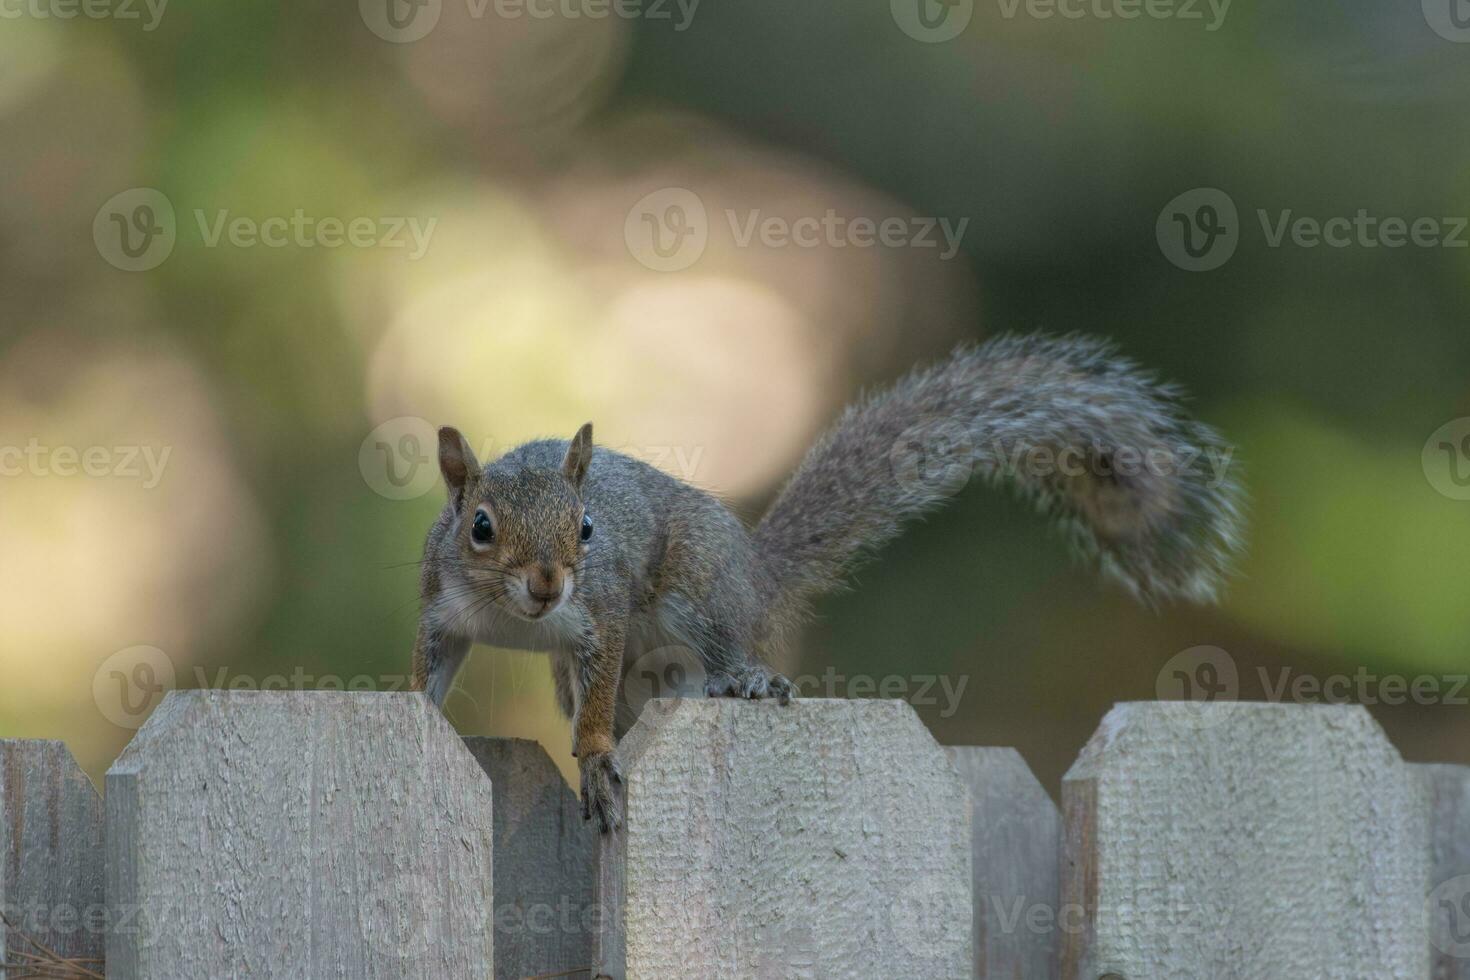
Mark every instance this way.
x=594 y=557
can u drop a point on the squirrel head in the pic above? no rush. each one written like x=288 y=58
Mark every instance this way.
x=522 y=531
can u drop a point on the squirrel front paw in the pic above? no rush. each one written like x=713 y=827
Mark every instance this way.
x=601 y=781
x=754 y=682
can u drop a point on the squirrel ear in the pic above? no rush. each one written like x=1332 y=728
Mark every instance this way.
x=579 y=454
x=456 y=460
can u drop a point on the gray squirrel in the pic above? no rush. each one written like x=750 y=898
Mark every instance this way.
x=595 y=557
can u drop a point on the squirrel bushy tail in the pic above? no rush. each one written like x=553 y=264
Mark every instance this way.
x=1139 y=488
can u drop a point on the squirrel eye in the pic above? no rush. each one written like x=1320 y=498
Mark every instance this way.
x=482 y=531
x=586 y=526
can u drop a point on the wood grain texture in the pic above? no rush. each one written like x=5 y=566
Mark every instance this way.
x=818 y=839
x=1015 y=848
x=545 y=855
x=311 y=834
x=1447 y=789
x=1239 y=841
x=51 y=838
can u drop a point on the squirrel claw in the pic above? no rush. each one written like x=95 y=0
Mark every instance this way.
x=756 y=683
x=599 y=777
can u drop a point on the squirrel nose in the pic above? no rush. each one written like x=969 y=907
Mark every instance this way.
x=544 y=583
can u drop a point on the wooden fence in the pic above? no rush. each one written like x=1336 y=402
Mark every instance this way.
x=338 y=835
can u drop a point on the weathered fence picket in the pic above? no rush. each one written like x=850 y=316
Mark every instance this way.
x=545 y=858
x=337 y=835
x=51 y=842
x=1448 y=794
x=1236 y=840
x=313 y=835
x=820 y=839
x=1016 y=836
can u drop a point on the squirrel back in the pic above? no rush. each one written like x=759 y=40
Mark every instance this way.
x=1140 y=489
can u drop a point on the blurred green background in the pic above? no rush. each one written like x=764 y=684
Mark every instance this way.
x=288 y=382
